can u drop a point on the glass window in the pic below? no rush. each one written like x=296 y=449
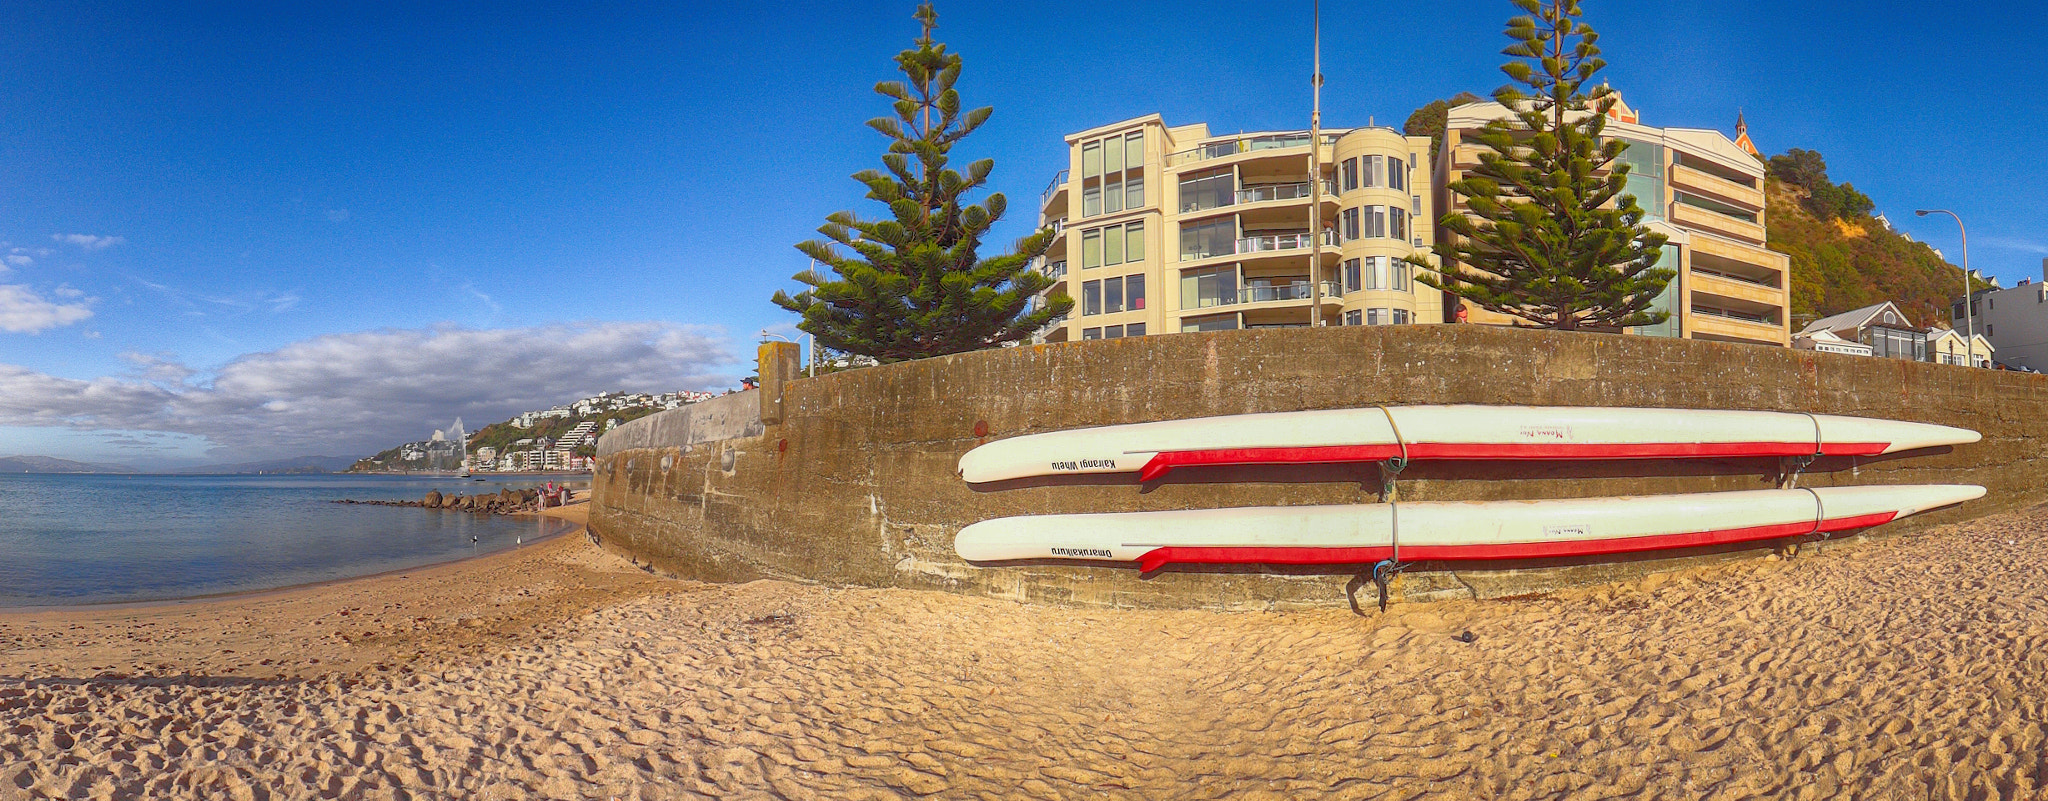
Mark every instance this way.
x=1091 y=201
x=1376 y=221
x=1091 y=159
x=1113 y=245
x=1091 y=298
x=1397 y=219
x=1220 y=322
x=1401 y=276
x=1206 y=191
x=1353 y=317
x=1112 y=295
x=1091 y=249
x=1397 y=178
x=1134 y=192
x=1200 y=289
x=1134 y=292
x=1375 y=171
x=1134 y=330
x=1112 y=332
x=1401 y=317
x=1134 y=242
x=1375 y=316
x=1375 y=276
x=1414 y=204
x=1351 y=279
x=1112 y=158
x=1134 y=150
x=1091 y=333
x=1206 y=238
x=1349 y=221
x=1113 y=197
x=1349 y=171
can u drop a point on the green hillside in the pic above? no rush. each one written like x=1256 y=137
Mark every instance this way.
x=1842 y=258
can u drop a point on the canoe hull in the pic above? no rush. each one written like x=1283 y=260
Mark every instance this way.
x=1449 y=531
x=1459 y=432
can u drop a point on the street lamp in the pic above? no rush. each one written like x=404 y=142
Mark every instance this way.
x=1969 y=314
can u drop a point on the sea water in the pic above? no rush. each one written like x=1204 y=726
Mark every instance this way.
x=81 y=539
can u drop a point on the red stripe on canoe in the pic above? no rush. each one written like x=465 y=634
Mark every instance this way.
x=1158 y=557
x=1323 y=454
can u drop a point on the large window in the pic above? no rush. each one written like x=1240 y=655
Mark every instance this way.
x=1397 y=222
x=1112 y=174
x=1353 y=317
x=1348 y=171
x=1375 y=221
x=1397 y=174
x=1206 y=191
x=1400 y=270
x=1205 y=238
x=1349 y=224
x=1112 y=295
x=1114 y=244
x=1351 y=276
x=1220 y=322
x=1377 y=317
x=1200 y=289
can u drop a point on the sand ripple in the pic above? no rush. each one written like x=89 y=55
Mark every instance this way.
x=1911 y=669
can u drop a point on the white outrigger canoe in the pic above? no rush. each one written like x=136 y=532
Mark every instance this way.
x=1449 y=531
x=1445 y=432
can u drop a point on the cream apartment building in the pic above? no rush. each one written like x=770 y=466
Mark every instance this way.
x=1165 y=229
x=1698 y=187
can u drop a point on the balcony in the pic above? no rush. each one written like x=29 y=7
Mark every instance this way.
x=1701 y=182
x=1737 y=287
x=1248 y=294
x=1055 y=270
x=1727 y=324
x=1689 y=215
x=1059 y=182
x=1276 y=242
x=1244 y=144
x=1272 y=192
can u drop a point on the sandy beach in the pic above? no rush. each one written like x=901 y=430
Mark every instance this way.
x=1906 y=668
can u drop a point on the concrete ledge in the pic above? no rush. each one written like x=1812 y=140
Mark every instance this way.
x=857 y=486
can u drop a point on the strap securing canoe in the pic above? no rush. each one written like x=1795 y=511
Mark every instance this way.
x=1820 y=513
x=1390 y=492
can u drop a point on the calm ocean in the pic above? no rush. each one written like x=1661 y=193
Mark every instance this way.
x=79 y=539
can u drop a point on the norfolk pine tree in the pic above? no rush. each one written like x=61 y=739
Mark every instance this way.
x=1541 y=241
x=914 y=285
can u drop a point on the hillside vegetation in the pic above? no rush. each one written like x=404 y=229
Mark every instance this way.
x=1842 y=258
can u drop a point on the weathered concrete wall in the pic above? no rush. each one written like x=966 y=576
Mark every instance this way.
x=856 y=485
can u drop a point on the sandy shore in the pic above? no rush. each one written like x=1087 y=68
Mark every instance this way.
x=1910 y=668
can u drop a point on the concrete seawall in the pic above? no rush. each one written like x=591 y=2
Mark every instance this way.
x=856 y=485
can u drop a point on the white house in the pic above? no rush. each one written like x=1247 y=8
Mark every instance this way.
x=1827 y=342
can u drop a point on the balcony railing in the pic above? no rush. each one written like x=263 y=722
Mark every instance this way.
x=1057 y=224
x=1733 y=277
x=1244 y=144
x=1266 y=294
x=1295 y=241
x=1058 y=179
x=1731 y=314
x=1295 y=191
x=1055 y=270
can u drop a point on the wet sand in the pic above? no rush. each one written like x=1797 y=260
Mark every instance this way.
x=1906 y=668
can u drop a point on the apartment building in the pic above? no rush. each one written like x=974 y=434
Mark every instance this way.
x=1696 y=186
x=2014 y=320
x=1165 y=229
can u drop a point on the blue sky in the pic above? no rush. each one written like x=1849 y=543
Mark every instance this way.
x=243 y=230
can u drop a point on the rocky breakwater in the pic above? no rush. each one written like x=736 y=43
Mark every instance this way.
x=505 y=501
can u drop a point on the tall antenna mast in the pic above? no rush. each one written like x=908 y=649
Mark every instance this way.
x=1315 y=180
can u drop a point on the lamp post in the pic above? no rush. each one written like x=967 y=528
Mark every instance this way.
x=1315 y=180
x=1969 y=314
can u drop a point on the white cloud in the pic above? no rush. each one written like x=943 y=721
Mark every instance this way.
x=88 y=241
x=24 y=312
x=355 y=394
x=18 y=260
